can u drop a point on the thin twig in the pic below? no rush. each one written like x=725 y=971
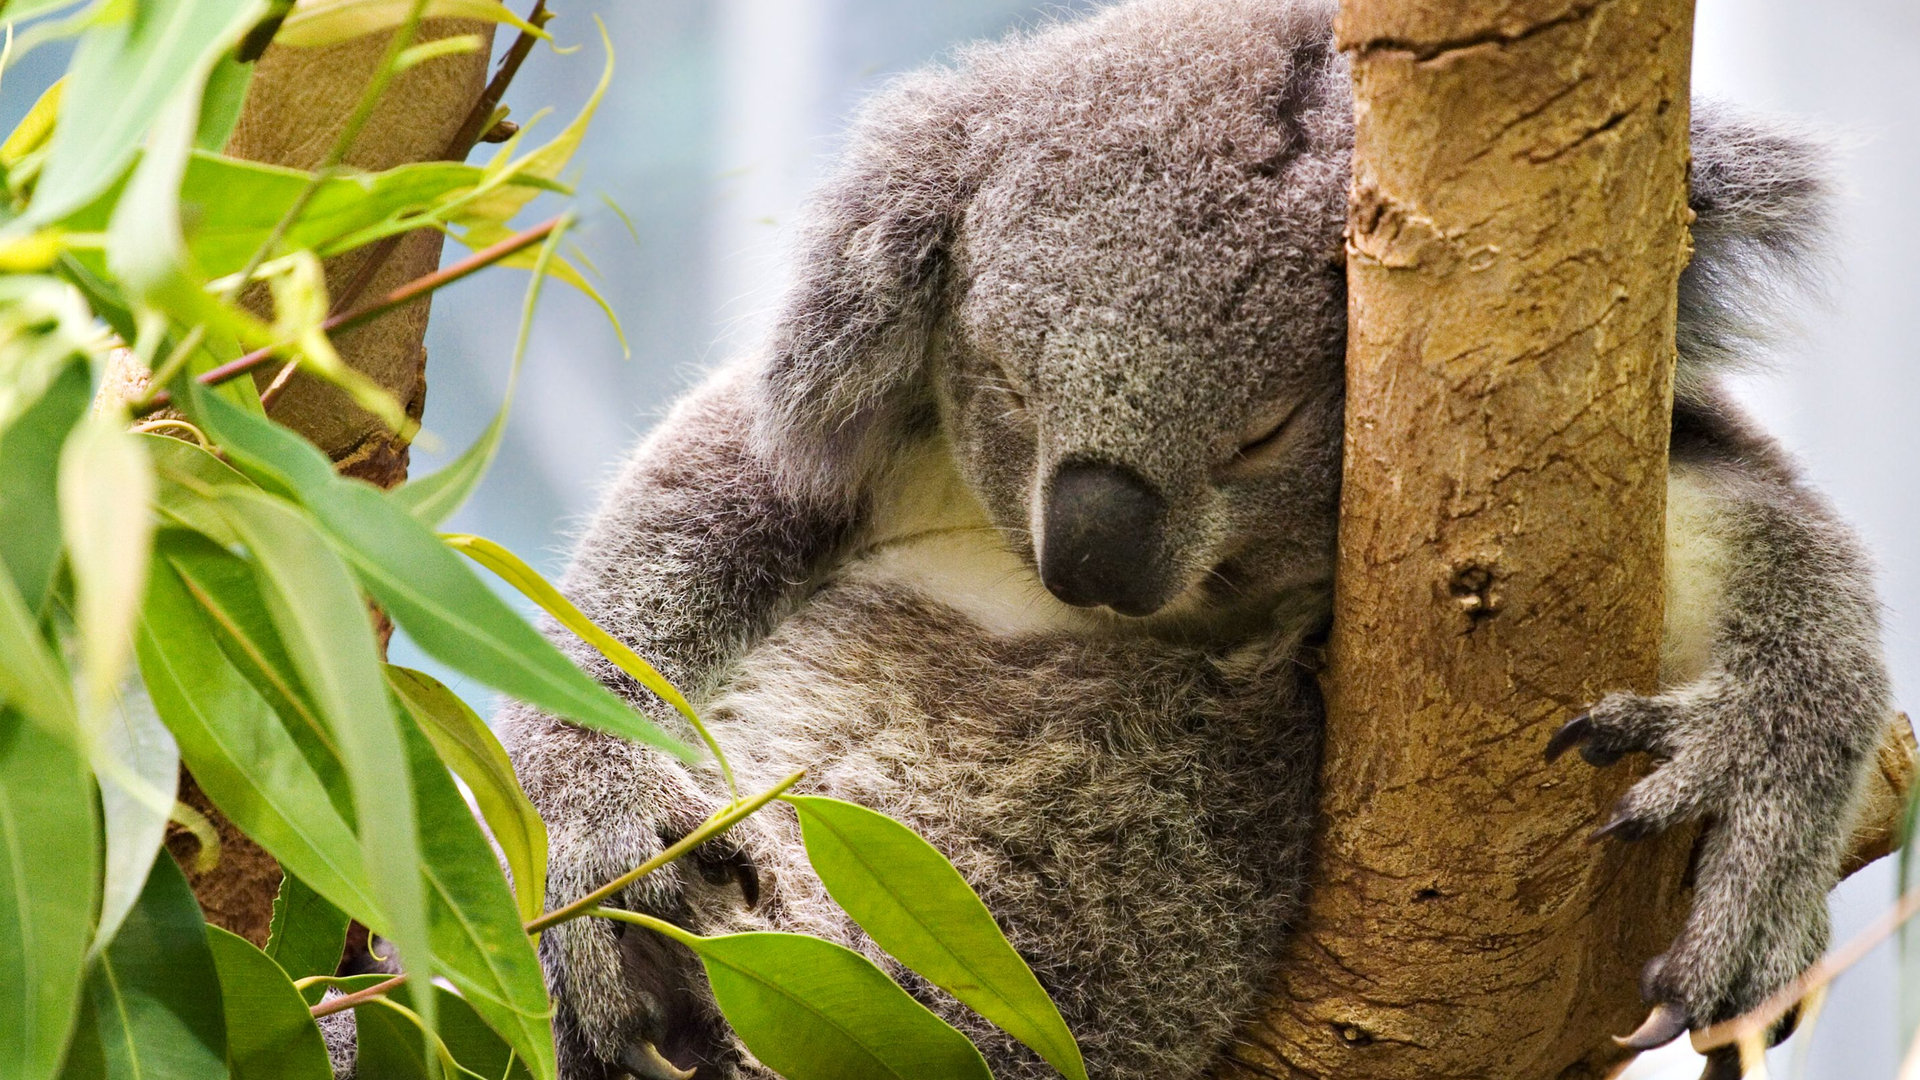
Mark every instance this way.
x=480 y=117
x=712 y=827
x=1761 y=1019
x=412 y=290
x=358 y=997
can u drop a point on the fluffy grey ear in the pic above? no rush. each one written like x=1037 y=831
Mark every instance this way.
x=846 y=380
x=1762 y=194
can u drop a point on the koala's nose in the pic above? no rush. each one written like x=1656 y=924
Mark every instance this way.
x=1102 y=542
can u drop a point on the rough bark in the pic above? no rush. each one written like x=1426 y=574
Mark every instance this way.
x=1517 y=225
x=296 y=106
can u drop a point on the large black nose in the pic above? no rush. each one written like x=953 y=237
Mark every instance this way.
x=1105 y=530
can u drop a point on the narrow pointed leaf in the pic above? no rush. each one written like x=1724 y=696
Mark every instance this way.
x=106 y=492
x=427 y=589
x=914 y=904
x=270 y=1034
x=323 y=622
x=138 y=769
x=329 y=22
x=477 y=932
x=240 y=755
x=29 y=462
x=153 y=996
x=47 y=837
x=307 y=934
x=131 y=63
x=32 y=680
x=813 y=1010
x=468 y=747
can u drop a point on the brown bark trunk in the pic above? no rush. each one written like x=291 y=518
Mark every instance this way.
x=1517 y=225
x=296 y=106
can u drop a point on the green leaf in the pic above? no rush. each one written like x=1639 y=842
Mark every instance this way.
x=190 y=482
x=468 y=747
x=427 y=589
x=220 y=104
x=29 y=464
x=389 y=1048
x=138 y=768
x=307 y=934
x=813 y=1010
x=476 y=929
x=32 y=679
x=915 y=905
x=153 y=996
x=240 y=755
x=270 y=1034
x=324 y=624
x=106 y=492
x=330 y=22
x=433 y=499
x=47 y=891
x=136 y=59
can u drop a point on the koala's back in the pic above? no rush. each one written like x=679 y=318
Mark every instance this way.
x=1135 y=813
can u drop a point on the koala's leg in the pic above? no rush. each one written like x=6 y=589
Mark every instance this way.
x=1775 y=696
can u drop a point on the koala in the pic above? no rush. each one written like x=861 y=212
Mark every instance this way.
x=1021 y=528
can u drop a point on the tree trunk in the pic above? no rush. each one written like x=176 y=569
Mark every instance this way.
x=296 y=106
x=1517 y=227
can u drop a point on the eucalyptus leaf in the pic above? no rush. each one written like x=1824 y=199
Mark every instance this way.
x=477 y=931
x=32 y=680
x=329 y=22
x=306 y=934
x=47 y=837
x=427 y=589
x=323 y=622
x=220 y=102
x=239 y=754
x=106 y=492
x=153 y=996
x=813 y=1010
x=137 y=58
x=468 y=747
x=29 y=465
x=388 y=1048
x=138 y=769
x=914 y=904
x=270 y=1034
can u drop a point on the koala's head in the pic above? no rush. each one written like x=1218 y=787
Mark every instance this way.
x=1105 y=264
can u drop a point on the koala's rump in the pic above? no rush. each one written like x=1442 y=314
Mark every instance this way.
x=1134 y=813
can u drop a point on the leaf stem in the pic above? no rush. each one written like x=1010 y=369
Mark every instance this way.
x=412 y=290
x=477 y=121
x=358 y=997
x=710 y=828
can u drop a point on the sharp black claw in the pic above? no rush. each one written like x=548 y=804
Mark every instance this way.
x=1569 y=735
x=1623 y=827
x=645 y=1062
x=1664 y=1024
x=1600 y=757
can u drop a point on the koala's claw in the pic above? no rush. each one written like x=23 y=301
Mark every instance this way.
x=1664 y=1024
x=1570 y=735
x=644 y=1061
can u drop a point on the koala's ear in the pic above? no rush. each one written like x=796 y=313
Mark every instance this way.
x=1762 y=194
x=846 y=381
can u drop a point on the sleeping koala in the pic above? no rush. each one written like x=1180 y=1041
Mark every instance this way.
x=1022 y=527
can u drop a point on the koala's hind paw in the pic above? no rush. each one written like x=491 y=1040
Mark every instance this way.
x=1767 y=852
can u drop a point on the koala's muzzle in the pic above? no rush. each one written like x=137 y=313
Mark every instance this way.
x=1103 y=539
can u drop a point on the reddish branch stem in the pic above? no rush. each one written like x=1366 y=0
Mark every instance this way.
x=358 y=997
x=407 y=293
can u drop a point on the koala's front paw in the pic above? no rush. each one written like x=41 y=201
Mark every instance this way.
x=627 y=1001
x=1772 y=787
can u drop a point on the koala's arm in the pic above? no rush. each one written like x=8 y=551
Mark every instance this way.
x=1776 y=697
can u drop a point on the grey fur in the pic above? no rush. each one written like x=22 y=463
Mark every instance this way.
x=1118 y=240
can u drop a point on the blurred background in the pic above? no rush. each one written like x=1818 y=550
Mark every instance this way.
x=722 y=113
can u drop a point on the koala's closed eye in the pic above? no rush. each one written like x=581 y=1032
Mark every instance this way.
x=1262 y=438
